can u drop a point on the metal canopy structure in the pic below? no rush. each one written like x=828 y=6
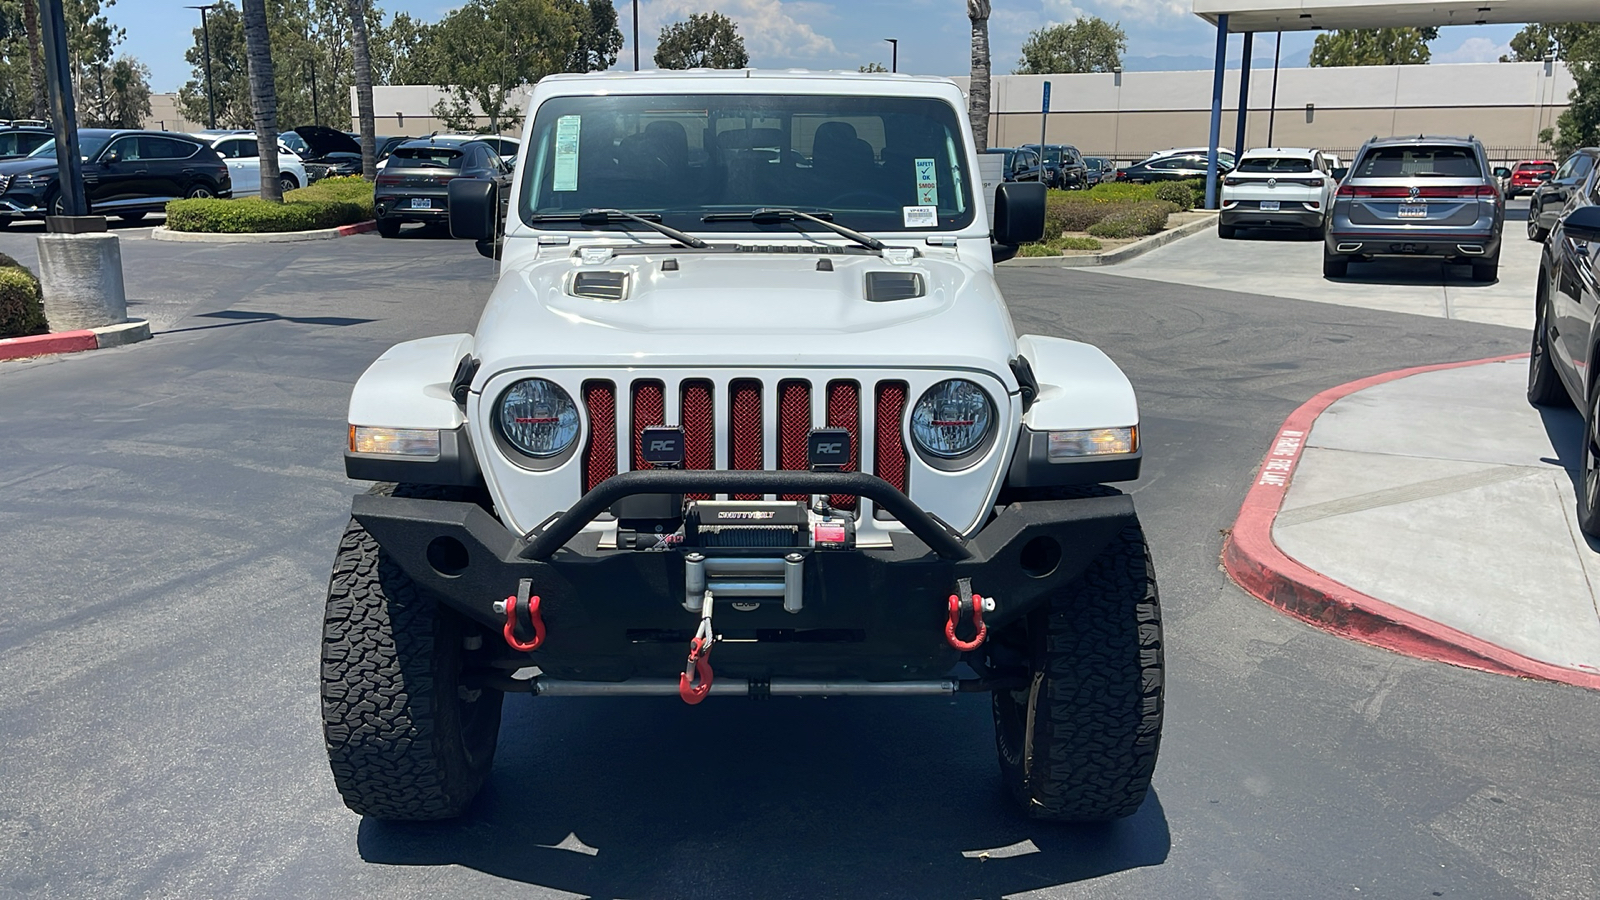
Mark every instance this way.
x=1248 y=17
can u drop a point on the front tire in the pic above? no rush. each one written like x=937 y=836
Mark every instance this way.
x=406 y=739
x=1079 y=742
x=1544 y=383
x=1535 y=233
x=287 y=183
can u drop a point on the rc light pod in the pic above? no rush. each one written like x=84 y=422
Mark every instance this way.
x=952 y=423
x=537 y=418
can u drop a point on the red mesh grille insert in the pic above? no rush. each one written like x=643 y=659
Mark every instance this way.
x=600 y=453
x=699 y=430
x=844 y=411
x=648 y=409
x=794 y=423
x=889 y=450
x=744 y=414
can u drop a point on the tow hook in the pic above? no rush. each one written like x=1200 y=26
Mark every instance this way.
x=962 y=600
x=535 y=620
x=699 y=664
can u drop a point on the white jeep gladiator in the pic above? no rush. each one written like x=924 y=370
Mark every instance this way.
x=744 y=415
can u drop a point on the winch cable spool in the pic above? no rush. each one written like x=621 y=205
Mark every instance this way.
x=967 y=600
x=699 y=664
x=535 y=620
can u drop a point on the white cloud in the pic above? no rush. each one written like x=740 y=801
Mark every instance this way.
x=1474 y=50
x=1145 y=10
x=773 y=30
x=1061 y=11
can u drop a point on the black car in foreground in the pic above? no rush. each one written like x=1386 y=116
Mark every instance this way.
x=126 y=174
x=414 y=184
x=1566 y=332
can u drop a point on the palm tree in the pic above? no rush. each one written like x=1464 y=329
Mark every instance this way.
x=978 y=90
x=363 y=63
x=263 y=96
x=30 y=24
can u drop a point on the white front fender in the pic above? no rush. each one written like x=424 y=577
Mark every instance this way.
x=1079 y=387
x=409 y=385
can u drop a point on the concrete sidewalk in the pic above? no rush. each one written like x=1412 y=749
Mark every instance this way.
x=1430 y=511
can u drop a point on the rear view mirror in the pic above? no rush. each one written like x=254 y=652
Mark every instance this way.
x=1583 y=223
x=474 y=209
x=1019 y=212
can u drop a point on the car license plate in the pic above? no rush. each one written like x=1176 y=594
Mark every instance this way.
x=1413 y=210
x=1269 y=205
x=421 y=203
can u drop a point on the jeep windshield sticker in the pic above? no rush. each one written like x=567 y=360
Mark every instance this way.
x=920 y=216
x=927 y=184
x=566 y=166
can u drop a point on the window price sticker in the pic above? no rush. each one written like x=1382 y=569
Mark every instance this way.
x=927 y=183
x=920 y=216
x=565 y=176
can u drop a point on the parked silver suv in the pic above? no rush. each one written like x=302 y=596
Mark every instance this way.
x=1417 y=196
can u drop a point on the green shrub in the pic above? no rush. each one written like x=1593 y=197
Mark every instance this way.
x=21 y=312
x=253 y=215
x=347 y=189
x=1138 y=220
x=1078 y=243
x=1037 y=250
x=1054 y=248
x=1177 y=193
x=7 y=262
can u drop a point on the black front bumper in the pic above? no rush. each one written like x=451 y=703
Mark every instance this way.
x=873 y=614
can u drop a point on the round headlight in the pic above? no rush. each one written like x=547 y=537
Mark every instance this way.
x=537 y=417
x=952 y=419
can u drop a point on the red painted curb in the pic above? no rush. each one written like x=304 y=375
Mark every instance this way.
x=45 y=344
x=1256 y=564
x=358 y=228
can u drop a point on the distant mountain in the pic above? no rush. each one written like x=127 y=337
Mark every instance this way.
x=1189 y=63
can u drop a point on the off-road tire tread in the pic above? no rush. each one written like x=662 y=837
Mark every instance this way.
x=390 y=759
x=1097 y=729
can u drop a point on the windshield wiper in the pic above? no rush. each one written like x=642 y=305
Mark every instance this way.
x=602 y=216
x=782 y=214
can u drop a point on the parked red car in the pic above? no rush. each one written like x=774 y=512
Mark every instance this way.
x=1527 y=175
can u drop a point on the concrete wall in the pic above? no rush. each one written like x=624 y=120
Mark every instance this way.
x=408 y=109
x=165 y=114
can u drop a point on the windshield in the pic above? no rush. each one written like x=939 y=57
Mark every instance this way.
x=88 y=146
x=1274 y=164
x=1453 y=161
x=874 y=163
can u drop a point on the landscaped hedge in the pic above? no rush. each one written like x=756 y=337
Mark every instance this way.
x=1136 y=220
x=21 y=312
x=327 y=204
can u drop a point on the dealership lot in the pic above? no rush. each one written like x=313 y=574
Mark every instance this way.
x=170 y=510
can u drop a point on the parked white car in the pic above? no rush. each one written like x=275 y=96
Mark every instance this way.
x=1278 y=187
x=240 y=151
x=747 y=383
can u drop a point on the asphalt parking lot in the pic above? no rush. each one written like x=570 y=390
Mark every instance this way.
x=168 y=513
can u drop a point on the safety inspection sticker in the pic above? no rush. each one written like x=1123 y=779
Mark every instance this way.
x=566 y=165
x=927 y=183
x=920 y=216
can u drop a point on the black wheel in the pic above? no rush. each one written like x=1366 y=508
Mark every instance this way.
x=1486 y=270
x=56 y=203
x=1544 y=384
x=1226 y=232
x=1535 y=233
x=1334 y=266
x=287 y=183
x=199 y=192
x=407 y=740
x=1589 y=491
x=1079 y=742
x=388 y=227
x=132 y=217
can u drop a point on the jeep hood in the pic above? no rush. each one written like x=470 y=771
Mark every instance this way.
x=744 y=309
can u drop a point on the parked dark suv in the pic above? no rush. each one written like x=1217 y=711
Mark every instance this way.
x=126 y=174
x=18 y=142
x=1551 y=198
x=414 y=184
x=1433 y=197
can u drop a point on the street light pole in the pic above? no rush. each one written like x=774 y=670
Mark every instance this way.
x=894 y=51
x=316 y=115
x=205 y=46
x=636 y=35
x=58 y=77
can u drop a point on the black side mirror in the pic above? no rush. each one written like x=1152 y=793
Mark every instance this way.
x=1583 y=224
x=474 y=208
x=1502 y=172
x=110 y=157
x=1019 y=212
x=1545 y=176
x=1339 y=172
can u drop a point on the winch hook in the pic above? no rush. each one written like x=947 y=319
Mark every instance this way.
x=699 y=665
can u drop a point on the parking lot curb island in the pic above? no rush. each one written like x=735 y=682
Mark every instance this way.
x=1252 y=559
x=1121 y=254
x=129 y=332
x=162 y=233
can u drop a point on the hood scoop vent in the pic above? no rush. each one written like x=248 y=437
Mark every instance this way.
x=611 y=286
x=884 y=287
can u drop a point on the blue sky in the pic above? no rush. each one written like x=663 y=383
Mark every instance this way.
x=830 y=34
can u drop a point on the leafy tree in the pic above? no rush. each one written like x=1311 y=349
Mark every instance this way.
x=708 y=40
x=486 y=49
x=16 y=81
x=263 y=96
x=400 y=55
x=1534 y=42
x=128 y=97
x=230 y=84
x=35 y=39
x=597 y=37
x=1090 y=44
x=1373 y=47
x=873 y=67
x=1579 y=124
x=978 y=90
